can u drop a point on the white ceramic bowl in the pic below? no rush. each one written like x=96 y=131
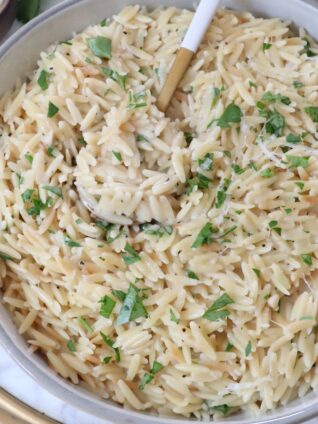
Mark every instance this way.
x=18 y=55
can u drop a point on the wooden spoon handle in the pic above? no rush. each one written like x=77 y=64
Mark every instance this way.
x=198 y=27
x=179 y=67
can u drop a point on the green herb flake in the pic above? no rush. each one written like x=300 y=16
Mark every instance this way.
x=275 y=123
x=298 y=84
x=43 y=80
x=216 y=95
x=288 y=210
x=199 y=181
x=115 y=76
x=81 y=141
x=140 y=137
x=300 y=184
x=248 y=348
x=297 y=161
x=136 y=101
x=204 y=236
x=312 y=112
x=71 y=346
x=100 y=46
x=52 y=110
x=104 y=22
x=188 y=137
x=107 y=306
x=173 y=317
x=27 y=195
x=27 y=10
x=224 y=409
x=267 y=173
x=231 y=114
x=269 y=97
x=132 y=307
x=109 y=342
x=192 y=274
x=257 y=272
x=107 y=359
x=85 y=324
x=55 y=190
x=206 y=163
x=266 y=46
x=307 y=48
x=252 y=84
x=148 y=377
x=132 y=256
x=217 y=311
x=306 y=258
x=20 y=179
x=237 y=169
x=119 y=294
x=71 y=243
x=156 y=230
x=229 y=347
x=29 y=158
x=117 y=155
x=51 y=151
x=293 y=139
x=5 y=257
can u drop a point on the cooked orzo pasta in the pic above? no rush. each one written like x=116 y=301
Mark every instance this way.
x=198 y=294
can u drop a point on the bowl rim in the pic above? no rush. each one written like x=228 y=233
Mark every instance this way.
x=69 y=393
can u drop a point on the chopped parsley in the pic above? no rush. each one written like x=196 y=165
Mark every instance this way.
x=109 y=342
x=288 y=210
x=221 y=194
x=173 y=317
x=224 y=409
x=117 y=155
x=307 y=48
x=43 y=80
x=55 y=190
x=85 y=324
x=306 y=258
x=237 y=169
x=107 y=359
x=216 y=95
x=273 y=225
x=132 y=256
x=298 y=84
x=204 y=236
x=29 y=158
x=71 y=243
x=266 y=46
x=100 y=46
x=132 y=307
x=71 y=346
x=35 y=203
x=136 y=101
x=229 y=347
x=293 y=139
x=50 y=151
x=257 y=272
x=217 y=311
x=107 y=306
x=104 y=22
x=300 y=184
x=156 y=230
x=115 y=76
x=269 y=97
x=119 y=294
x=297 y=161
x=206 y=163
x=192 y=274
x=188 y=137
x=199 y=181
x=252 y=165
x=52 y=110
x=312 y=112
x=140 y=137
x=148 y=377
x=275 y=123
x=248 y=348
x=252 y=84
x=267 y=173
x=231 y=114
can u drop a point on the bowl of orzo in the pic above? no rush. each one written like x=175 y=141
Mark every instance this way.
x=196 y=299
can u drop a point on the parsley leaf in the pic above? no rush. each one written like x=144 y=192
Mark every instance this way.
x=298 y=84
x=257 y=272
x=107 y=340
x=296 y=161
x=52 y=110
x=248 y=348
x=312 y=112
x=71 y=243
x=136 y=101
x=140 y=137
x=115 y=76
x=29 y=158
x=85 y=324
x=300 y=184
x=229 y=347
x=293 y=139
x=307 y=48
x=200 y=181
x=55 y=190
x=221 y=194
x=267 y=173
x=132 y=256
x=173 y=317
x=275 y=123
x=50 y=151
x=204 y=236
x=107 y=306
x=117 y=155
x=148 y=377
x=231 y=114
x=107 y=359
x=43 y=80
x=188 y=137
x=306 y=258
x=206 y=163
x=273 y=226
x=216 y=95
x=266 y=46
x=100 y=46
x=224 y=409
x=217 y=311
x=119 y=294
x=269 y=97
x=132 y=307
x=237 y=169
x=192 y=274
x=156 y=230
x=71 y=346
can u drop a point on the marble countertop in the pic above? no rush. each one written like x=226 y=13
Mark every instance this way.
x=17 y=382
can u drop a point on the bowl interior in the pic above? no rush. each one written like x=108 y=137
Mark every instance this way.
x=57 y=24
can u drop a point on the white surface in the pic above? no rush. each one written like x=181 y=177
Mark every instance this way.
x=17 y=382
x=199 y=25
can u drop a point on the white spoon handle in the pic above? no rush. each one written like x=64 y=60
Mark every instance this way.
x=199 y=25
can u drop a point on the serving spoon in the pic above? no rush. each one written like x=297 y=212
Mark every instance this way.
x=190 y=44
